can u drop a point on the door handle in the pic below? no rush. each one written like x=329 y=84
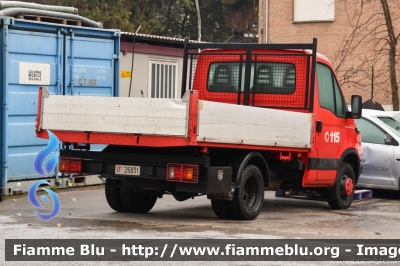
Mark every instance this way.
x=318 y=127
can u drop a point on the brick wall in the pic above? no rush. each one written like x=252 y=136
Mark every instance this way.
x=353 y=61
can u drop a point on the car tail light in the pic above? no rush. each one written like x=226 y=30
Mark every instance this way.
x=68 y=165
x=183 y=173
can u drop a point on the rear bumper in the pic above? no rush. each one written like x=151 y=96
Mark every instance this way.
x=153 y=171
x=208 y=183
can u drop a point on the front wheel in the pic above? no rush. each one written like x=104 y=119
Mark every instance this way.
x=249 y=196
x=341 y=194
x=137 y=202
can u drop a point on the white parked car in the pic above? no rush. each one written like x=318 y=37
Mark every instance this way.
x=396 y=115
x=381 y=151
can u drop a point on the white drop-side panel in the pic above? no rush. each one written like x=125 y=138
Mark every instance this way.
x=238 y=124
x=115 y=115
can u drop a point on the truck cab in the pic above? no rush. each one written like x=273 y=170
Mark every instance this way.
x=298 y=80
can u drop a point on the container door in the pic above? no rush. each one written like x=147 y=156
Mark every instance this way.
x=89 y=66
x=33 y=59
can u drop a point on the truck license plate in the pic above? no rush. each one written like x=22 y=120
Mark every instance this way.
x=127 y=169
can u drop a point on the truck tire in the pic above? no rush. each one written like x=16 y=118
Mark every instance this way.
x=341 y=194
x=249 y=196
x=137 y=202
x=113 y=196
x=220 y=208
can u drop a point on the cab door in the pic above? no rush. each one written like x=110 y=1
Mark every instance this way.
x=332 y=128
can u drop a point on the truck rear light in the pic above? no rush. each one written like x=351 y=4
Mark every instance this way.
x=183 y=173
x=69 y=165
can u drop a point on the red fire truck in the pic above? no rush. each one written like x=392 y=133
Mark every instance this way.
x=251 y=117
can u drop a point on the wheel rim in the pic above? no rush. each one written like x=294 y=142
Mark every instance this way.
x=347 y=186
x=250 y=193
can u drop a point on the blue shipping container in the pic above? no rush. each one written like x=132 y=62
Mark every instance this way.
x=68 y=60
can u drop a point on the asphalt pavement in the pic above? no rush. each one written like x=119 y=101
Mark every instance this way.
x=85 y=214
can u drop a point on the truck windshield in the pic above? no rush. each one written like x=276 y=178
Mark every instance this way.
x=394 y=126
x=270 y=78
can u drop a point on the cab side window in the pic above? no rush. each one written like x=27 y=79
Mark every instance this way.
x=370 y=133
x=330 y=96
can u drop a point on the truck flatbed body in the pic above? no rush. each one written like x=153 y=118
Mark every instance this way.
x=171 y=122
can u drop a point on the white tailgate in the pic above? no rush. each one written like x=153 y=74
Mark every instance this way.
x=229 y=123
x=114 y=115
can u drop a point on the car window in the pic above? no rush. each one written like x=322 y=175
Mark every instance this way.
x=370 y=133
x=396 y=117
x=394 y=126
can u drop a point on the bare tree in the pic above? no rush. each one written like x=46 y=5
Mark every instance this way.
x=240 y=15
x=198 y=20
x=392 y=42
x=369 y=43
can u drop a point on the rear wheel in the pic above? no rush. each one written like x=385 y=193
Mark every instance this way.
x=220 y=208
x=249 y=196
x=113 y=196
x=137 y=202
x=341 y=194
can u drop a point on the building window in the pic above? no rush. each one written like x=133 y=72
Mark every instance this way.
x=313 y=10
x=163 y=78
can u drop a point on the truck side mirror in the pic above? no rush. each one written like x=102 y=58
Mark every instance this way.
x=356 y=107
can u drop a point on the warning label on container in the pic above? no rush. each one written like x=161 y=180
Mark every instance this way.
x=126 y=74
x=34 y=73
